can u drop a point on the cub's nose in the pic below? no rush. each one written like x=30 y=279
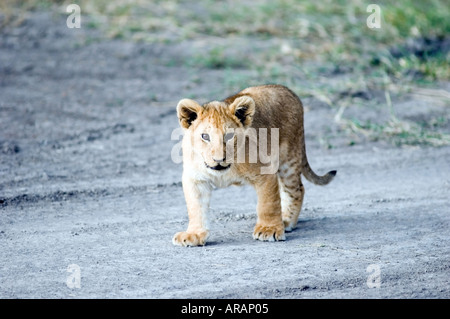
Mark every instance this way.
x=219 y=160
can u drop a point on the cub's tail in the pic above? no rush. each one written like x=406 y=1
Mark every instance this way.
x=316 y=179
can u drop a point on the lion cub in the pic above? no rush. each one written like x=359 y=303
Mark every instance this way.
x=254 y=137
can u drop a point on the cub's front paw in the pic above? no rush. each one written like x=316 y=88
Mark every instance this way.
x=190 y=239
x=269 y=233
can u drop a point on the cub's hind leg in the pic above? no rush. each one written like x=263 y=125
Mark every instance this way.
x=291 y=193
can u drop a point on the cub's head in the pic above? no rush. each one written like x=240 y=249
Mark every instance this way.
x=212 y=127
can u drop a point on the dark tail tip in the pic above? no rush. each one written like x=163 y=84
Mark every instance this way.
x=333 y=173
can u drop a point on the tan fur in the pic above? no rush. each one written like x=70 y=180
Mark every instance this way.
x=280 y=194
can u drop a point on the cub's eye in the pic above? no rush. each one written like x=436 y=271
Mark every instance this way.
x=228 y=136
x=205 y=137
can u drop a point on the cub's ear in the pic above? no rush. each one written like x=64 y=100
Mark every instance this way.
x=243 y=108
x=187 y=112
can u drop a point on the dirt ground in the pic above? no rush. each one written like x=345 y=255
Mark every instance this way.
x=86 y=179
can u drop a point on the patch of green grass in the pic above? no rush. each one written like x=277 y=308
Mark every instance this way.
x=217 y=58
x=418 y=17
x=235 y=80
x=324 y=30
x=398 y=132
